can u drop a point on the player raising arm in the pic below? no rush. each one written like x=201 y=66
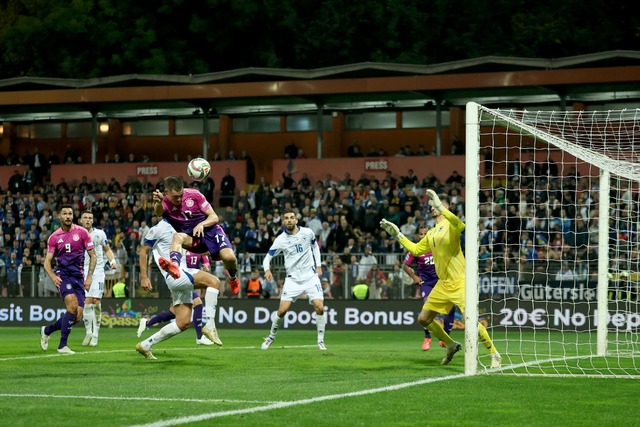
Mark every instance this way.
x=196 y=223
x=426 y=279
x=303 y=270
x=443 y=241
x=158 y=240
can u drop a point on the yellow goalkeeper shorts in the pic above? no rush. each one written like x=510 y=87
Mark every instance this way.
x=444 y=296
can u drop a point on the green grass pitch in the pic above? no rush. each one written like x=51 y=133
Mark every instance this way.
x=364 y=379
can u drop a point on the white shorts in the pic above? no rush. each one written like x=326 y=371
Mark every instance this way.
x=97 y=286
x=182 y=287
x=292 y=289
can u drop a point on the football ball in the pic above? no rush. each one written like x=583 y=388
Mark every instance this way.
x=198 y=169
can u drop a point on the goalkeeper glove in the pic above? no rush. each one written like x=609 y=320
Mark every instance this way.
x=391 y=228
x=434 y=201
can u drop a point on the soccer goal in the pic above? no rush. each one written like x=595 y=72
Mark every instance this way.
x=553 y=236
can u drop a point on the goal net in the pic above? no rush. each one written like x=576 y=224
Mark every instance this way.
x=553 y=236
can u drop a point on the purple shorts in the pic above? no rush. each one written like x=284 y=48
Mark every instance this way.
x=213 y=241
x=72 y=286
x=425 y=290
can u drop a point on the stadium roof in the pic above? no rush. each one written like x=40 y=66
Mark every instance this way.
x=601 y=78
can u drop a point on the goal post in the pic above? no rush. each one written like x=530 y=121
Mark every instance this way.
x=552 y=213
x=472 y=189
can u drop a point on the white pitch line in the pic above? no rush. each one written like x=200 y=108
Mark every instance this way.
x=133 y=351
x=151 y=399
x=280 y=405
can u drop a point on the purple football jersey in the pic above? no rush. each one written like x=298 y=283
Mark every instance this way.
x=189 y=214
x=68 y=248
x=194 y=260
x=426 y=267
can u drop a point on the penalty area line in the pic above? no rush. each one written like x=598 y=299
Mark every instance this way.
x=280 y=405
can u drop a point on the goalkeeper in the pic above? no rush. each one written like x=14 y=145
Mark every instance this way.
x=443 y=241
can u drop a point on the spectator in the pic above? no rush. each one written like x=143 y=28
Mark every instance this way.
x=457 y=147
x=269 y=288
x=264 y=234
x=314 y=223
x=288 y=181
x=367 y=261
x=393 y=182
x=343 y=233
x=376 y=279
x=227 y=189
x=325 y=237
x=409 y=180
x=304 y=183
x=206 y=187
x=399 y=282
x=70 y=155
x=409 y=229
x=46 y=288
x=338 y=277
x=278 y=191
x=251 y=168
x=253 y=286
x=291 y=151
x=363 y=181
x=455 y=178
x=15 y=182
x=421 y=151
x=346 y=183
x=39 y=165
x=326 y=288
x=54 y=159
x=354 y=150
x=565 y=274
x=13 y=275
x=329 y=182
x=245 y=265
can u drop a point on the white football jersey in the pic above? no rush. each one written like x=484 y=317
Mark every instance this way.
x=100 y=242
x=159 y=238
x=301 y=253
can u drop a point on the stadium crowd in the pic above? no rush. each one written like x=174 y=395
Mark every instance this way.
x=533 y=222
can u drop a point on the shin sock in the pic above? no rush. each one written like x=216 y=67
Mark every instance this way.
x=164 y=316
x=88 y=316
x=211 y=304
x=197 y=320
x=483 y=337
x=321 y=322
x=275 y=323
x=163 y=334
x=68 y=320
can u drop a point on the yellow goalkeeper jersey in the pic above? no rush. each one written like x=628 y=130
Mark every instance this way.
x=443 y=241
